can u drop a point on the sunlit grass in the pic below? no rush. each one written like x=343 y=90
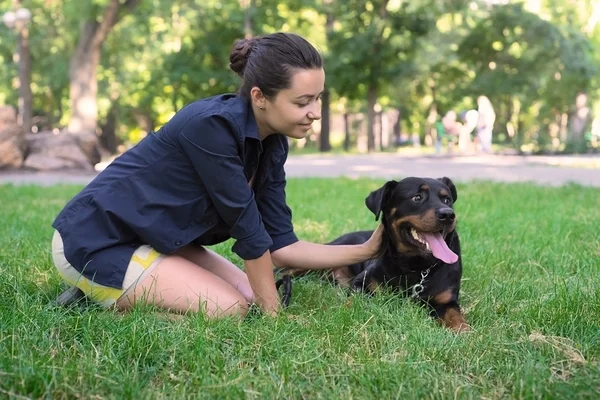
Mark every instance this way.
x=530 y=291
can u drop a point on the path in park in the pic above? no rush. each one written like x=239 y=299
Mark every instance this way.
x=554 y=171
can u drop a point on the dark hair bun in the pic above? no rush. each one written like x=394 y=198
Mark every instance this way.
x=238 y=58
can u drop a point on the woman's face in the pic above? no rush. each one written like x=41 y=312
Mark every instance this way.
x=293 y=110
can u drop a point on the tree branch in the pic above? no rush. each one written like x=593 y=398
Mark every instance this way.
x=110 y=18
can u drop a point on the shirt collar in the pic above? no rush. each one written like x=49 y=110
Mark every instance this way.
x=251 y=129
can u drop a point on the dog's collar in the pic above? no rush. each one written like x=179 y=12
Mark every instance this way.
x=418 y=288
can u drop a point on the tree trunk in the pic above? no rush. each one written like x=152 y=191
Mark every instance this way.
x=397 y=126
x=144 y=120
x=83 y=85
x=25 y=105
x=248 y=6
x=346 y=131
x=108 y=139
x=371 y=100
x=324 y=137
x=324 y=142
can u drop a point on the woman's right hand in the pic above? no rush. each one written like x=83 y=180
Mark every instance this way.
x=373 y=245
x=262 y=281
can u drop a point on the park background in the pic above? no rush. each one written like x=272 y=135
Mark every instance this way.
x=101 y=74
x=92 y=78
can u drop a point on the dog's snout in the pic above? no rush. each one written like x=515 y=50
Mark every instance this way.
x=445 y=214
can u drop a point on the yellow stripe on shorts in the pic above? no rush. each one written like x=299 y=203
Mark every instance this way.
x=147 y=261
x=98 y=293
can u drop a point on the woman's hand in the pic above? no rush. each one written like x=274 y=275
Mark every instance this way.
x=262 y=281
x=373 y=245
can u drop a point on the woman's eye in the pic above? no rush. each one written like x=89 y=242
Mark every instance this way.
x=417 y=198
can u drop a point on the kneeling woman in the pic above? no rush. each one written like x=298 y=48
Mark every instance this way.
x=137 y=233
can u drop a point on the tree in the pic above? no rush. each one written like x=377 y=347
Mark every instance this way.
x=83 y=68
x=530 y=68
x=373 y=44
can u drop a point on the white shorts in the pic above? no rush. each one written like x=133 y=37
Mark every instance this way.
x=142 y=263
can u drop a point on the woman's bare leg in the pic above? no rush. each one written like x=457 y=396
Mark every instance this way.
x=179 y=285
x=221 y=267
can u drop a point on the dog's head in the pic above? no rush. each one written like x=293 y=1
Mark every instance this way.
x=418 y=214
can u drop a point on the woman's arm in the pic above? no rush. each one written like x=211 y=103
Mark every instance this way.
x=262 y=281
x=306 y=255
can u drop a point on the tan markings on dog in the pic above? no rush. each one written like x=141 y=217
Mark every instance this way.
x=424 y=187
x=424 y=222
x=443 y=298
x=413 y=220
x=342 y=276
x=296 y=271
x=452 y=227
x=454 y=320
x=373 y=285
x=395 y=232
x=444 y=193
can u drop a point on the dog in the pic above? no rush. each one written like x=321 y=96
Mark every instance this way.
x=420 y=254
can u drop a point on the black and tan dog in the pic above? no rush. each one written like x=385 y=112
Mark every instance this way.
x=420 y=253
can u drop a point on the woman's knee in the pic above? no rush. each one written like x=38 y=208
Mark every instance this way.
x=178 y=285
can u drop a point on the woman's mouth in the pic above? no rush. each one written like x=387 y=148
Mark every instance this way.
x=306 y=126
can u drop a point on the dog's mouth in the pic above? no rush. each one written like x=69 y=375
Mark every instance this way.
x=431 y=242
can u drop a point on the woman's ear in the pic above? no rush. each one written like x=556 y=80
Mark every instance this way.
x=258 y=97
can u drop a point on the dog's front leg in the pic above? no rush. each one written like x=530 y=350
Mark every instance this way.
x=450 y=316
x=364 y=281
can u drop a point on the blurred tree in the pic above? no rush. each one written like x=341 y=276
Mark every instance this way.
x=99 y=18
x=523 y=62
x=374 y=44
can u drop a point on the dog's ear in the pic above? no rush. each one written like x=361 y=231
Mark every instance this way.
x=448 y=182
x=376 y=199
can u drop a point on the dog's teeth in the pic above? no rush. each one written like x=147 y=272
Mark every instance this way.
x=427 y=246
x=414 y=234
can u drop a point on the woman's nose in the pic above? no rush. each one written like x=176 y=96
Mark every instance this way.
x=315 y=112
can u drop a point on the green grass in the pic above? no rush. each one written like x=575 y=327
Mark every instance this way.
x=530 y=290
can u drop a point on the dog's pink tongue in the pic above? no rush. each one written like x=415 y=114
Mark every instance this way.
x=439 y=248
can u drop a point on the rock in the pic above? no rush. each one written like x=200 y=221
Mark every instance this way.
x=89 y=143
x=8 y=116
x=49 y=151
x=44 y=162
x=13 y=145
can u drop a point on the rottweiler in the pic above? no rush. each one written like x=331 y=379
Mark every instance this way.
x=420 y=255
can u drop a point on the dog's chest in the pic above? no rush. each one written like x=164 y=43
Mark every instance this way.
x=403 y=276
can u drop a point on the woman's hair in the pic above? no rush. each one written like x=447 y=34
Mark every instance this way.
x=268 y=62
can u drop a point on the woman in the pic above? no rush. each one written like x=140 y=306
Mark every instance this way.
x=137 y=233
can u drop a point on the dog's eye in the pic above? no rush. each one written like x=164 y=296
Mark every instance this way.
x=447 y=200
x=417 y=197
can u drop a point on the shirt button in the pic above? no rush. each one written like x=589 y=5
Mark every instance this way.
x=178 y=243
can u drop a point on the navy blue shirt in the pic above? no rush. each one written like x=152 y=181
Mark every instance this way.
x=186 y=183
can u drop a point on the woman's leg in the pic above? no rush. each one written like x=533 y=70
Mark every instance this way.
x=221 y=267
x=179 y=285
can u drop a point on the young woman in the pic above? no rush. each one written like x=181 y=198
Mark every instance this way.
x=138 y=232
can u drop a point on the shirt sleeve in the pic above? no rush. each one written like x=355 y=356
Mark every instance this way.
x=271 y=200
x=212 y=146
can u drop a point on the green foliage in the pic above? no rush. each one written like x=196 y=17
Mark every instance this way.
x=519 y=56
x=530 y=58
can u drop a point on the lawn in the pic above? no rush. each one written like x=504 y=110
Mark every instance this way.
x=530 y=291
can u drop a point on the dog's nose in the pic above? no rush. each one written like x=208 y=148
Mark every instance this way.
x=445 y=214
